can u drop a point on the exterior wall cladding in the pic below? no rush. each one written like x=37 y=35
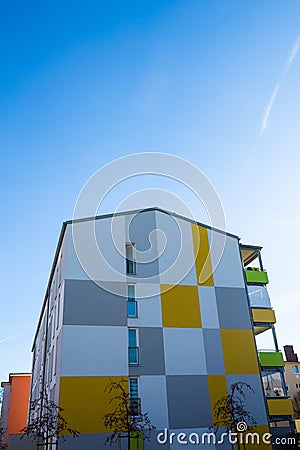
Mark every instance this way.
x=194 y=338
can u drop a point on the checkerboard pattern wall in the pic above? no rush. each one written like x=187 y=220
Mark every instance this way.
x=195 y=334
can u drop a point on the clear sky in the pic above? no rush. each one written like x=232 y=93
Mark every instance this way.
x=85 y=82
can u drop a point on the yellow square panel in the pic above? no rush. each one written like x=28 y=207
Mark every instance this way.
x=180 y=306
x=85 y=402
x=217 y=389
x=202 y=256
x=239 y=352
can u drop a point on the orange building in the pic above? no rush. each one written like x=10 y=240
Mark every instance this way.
x=15 y=405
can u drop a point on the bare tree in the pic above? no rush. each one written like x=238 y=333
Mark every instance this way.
x=2 y=438
x=46 y=422
x=2 y=429
x=126 y=421
x=230 y=410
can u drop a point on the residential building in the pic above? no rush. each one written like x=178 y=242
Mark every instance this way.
x=14 y=412
x=176 y=318
x=292 y=377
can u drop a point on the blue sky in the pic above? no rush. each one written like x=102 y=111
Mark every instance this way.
x=83 y=83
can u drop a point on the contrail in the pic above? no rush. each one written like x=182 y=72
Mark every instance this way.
x=290 y=59
x=9 y=338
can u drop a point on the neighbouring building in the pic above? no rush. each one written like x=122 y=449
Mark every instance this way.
x=167 y=303
x=14 y=412
x=292 y=377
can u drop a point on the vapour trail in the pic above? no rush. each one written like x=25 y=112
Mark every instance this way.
x=292 y=55
x=9 y=338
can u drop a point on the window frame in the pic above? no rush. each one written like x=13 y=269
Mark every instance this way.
x=132 y=300
x=130 y=259
x=134 y=400
x=136 y=346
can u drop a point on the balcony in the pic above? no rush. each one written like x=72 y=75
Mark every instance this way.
x=133 y=356
x=136 y=440
x=263 y=319
x=270 y=359
x=256 y=276
x=273 y=382
x=258 y=296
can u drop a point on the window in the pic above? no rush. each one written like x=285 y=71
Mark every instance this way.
x=133 y=351
x=131 y=301
x=133 y=388
x=298 y=386
x=295 y=369
x=135 y=402
x=59 y=271
x=130 y=259
x=53 y=368
x=56 y=356
x=51 y=365
x=53 y=323
x=58 y=312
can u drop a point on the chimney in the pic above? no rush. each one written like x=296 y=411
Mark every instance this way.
x=290 y=356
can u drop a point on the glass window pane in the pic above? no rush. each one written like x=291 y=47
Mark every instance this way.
x=130 y=262
x=131 y=309
x=133 y=355
x=132 y=337
x=131 y=292
x=272 y=383
x=129 y=251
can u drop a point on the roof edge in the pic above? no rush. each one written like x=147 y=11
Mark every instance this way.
x=152 y=208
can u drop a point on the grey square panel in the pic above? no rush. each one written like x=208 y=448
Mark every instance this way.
x=151 y=351
x=86 y=441
x=254 y=402
x=233 y=308
x=86 y=303
x=213 y=352
x=188 y=401
x=153 y=444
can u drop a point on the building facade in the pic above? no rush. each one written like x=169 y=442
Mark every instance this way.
x=14 y=412
x=292 y=377
x=165 y=303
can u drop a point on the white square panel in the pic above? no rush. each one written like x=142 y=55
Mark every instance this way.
x=226 y=260
x=177 y=260
x=153 y=393
x=94 y=350
x=184 y=351
x=208 y=307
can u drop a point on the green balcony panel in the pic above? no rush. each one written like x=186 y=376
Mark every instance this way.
x=136 y=440
x=271 y=359
x=256 y=276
